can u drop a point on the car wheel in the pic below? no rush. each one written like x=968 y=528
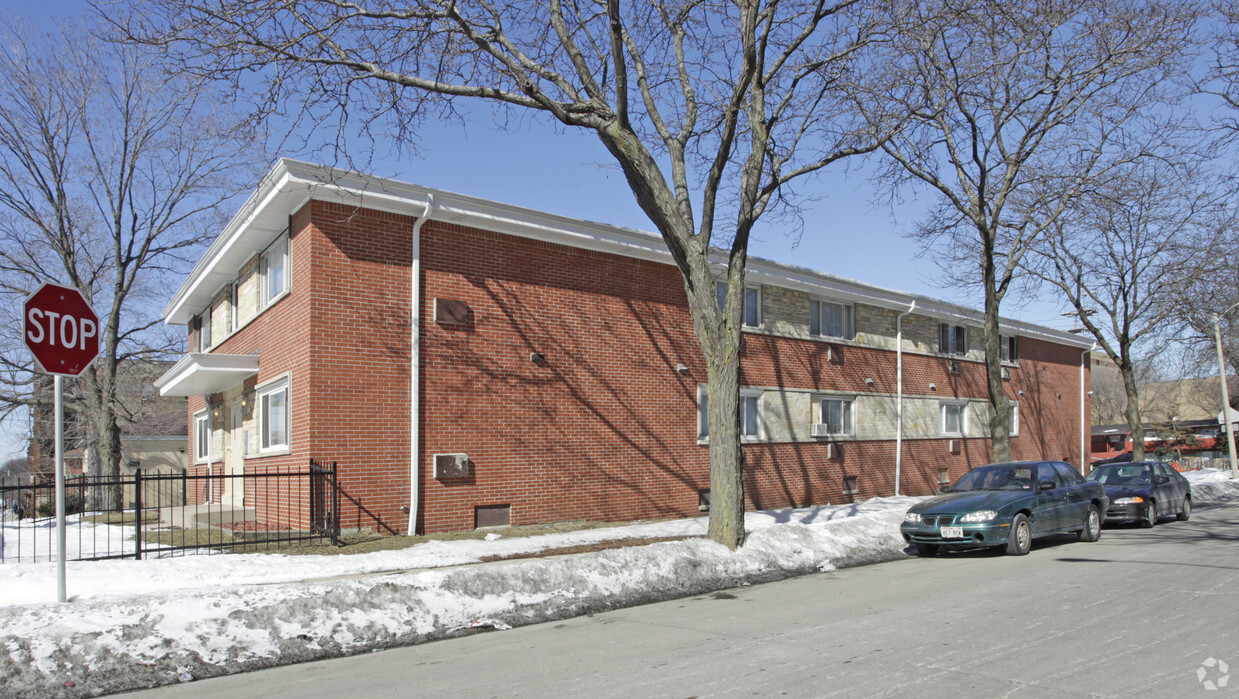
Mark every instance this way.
x=926 y=550
x=1150 y=517
x=1019 y=540
x=1185 y=513
x=1092 y=525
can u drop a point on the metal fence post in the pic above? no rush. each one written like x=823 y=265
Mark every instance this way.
x=335 y=506
x=137 y=513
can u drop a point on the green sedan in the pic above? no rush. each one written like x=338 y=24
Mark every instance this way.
x=1007 y=505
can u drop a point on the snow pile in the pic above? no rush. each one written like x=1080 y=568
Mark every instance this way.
x=151 y=622
x=134 y=624
x=1212 y=487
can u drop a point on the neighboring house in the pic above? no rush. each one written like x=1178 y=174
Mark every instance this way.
x=1197 y=438
x=152 y=426
x=469 y=363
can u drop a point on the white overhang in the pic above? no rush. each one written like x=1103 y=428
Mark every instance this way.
x=200 y=374
x=291 y=184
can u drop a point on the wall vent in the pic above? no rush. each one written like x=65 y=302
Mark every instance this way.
x=492 y=516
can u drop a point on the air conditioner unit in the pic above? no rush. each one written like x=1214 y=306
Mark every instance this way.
x=1006 y=373
x=452 y=466
x=820 y=429
x=954 y=367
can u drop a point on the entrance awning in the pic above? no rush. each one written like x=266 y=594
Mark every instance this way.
x=199 y=374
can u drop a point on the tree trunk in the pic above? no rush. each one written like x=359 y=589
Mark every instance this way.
x=726 y=452
x=718 y=331
x=1132 y=411
x=999 y=418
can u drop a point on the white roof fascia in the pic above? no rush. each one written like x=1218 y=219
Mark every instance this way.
x=202 y=373
x=292 y=183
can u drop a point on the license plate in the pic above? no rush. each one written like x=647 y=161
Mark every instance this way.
x=952 y=532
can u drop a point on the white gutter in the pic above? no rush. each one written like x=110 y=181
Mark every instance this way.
x=1085 y=433
x=899 y=392
x=415 y=364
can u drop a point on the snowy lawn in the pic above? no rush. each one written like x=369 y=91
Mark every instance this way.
x=132 y=624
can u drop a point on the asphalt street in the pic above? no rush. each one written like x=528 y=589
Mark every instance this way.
x=1142 y=612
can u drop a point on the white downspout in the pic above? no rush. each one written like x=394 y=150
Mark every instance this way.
x=415 y=364
x=899 y=392
x=1085 y=433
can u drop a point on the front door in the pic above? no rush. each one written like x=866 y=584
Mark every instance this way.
x=234 y=457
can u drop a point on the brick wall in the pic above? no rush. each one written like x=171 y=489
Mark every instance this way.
x=603 y=426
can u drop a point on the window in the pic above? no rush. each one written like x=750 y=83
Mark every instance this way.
x=952 y=339
x=750 y=414
x=1009 y=348
x=204 y=331
x=944 y=477
x=849 y=485
x=831 y=320
x=1013 y=419
x=954 y=419
x=273 y=416
x=836 y=414
x=752 y=303
x=202 y=436
x=275 y=271
x=234 y=319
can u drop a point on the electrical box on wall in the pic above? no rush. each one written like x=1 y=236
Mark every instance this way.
x=449 y=466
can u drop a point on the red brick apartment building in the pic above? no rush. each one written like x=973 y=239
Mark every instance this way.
x=466 y=363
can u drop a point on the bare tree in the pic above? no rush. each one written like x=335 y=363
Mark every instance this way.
x=1122 y=252
x=711 y=110
x=112 y=172
x=1013 y=109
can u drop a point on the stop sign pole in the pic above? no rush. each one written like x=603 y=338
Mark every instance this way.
x=62 y=332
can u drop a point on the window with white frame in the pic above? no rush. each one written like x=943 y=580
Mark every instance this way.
x=750 y=414
x=836 y=415
x=830 y=319
x=752 y=303
x=952 y=339
x=273 y=416
x=1013 y=419
x=954 y=418
x=234 y=319
x=202 y=437
x=204 y=330
x=1009 y=347
x=275 y=270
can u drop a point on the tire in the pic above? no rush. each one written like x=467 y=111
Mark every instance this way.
x=1150 y=517
x=1185 y=513
x=1092 y=525
x=926 y=550
x=1019 y=540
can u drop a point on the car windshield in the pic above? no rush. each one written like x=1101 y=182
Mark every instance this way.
x=1121 y=474
x=998 y=477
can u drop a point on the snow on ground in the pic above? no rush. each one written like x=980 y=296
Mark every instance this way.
x=132 y=624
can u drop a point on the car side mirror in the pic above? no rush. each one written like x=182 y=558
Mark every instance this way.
x=1045 y=485
x=945 y=489
x=1161 y=480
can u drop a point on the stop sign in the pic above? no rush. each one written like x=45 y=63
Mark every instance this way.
x=61 y=330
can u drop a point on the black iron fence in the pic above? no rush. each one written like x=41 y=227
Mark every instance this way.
x=139 y=515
